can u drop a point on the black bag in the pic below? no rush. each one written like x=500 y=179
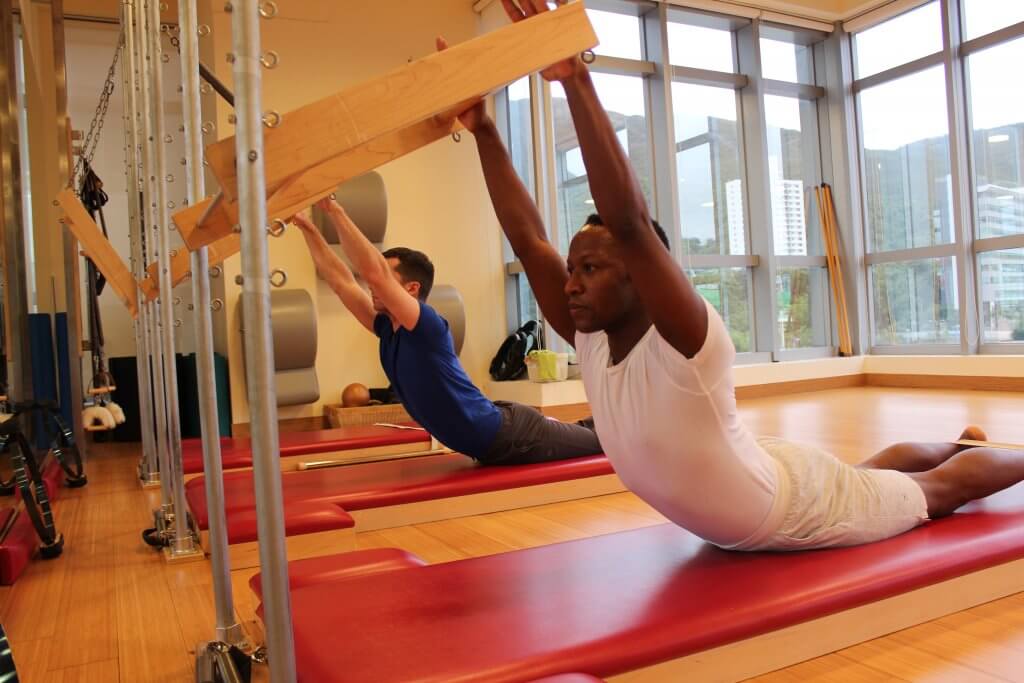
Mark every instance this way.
x=510 y=361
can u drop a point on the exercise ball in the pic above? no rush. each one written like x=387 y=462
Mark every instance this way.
x=355 y=395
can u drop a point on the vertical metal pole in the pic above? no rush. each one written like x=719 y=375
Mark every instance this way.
x=148 y=221
x=228 y=630
x=182 y=541
x=259 y=345
x=19 y=359
x=149 y=470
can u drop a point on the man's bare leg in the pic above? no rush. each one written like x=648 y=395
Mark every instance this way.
x=920 y=457
x=968 y=475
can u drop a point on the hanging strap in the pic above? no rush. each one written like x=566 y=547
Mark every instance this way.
x=93 y=199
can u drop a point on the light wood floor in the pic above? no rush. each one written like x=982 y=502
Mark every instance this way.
x=110 y=610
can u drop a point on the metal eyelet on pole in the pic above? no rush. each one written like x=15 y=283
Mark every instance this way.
x=272 y=119
x=216 y=271
x=278 y=278
x=203 y=30
x=216 y=304
x=270 y=59
x=268 y=9
x=456 y=136
x=208 y=127
x=276 y=228
x=177 y=301
x=177 y=322
x=588 y=56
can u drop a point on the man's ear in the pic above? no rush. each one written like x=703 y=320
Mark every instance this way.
x=413 y=288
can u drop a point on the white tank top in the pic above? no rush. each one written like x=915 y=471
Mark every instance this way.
x=670 y=427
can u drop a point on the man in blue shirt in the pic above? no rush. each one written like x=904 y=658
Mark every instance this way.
x=419 y=358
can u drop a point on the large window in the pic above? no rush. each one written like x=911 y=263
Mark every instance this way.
x=623 y=99
x=709 y=168
x=698 y=186
x=934 y=193
x=907 y=180
x=996 y=112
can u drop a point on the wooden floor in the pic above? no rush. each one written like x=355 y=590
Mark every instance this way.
x=110 y=610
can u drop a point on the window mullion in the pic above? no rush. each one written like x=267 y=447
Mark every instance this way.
x=758 y=195
x=960 y=169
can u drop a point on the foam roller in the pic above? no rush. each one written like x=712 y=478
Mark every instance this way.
x=365 y=200
x=447 y=301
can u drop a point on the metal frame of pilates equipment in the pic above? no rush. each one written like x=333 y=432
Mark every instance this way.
x=245 y=182
x=149 y=229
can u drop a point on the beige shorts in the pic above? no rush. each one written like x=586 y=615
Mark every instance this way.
x=832 y=504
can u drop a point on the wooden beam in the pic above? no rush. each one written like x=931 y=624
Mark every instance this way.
x=99 y=249
x=181 y=264
x=408 y=95
x=200 y=226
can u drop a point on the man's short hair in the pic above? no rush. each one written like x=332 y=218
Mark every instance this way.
x=595 y=219
x=414 y=266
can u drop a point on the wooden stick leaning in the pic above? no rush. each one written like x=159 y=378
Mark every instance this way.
x=830 y=260
x=830 y=212
x=99 y=250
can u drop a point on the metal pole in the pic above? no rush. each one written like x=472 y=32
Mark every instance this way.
x=15 y=273
x=228 y=630
x=149 y=470
x=148 y=220
x=259 y=345
x=182 y=542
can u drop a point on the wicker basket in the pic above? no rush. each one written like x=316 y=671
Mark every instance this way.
x=338 y=416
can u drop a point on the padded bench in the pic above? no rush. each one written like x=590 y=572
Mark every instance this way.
x=657 y=602
x=415 y=490
x=236 y=453
x=311 y=529
x=315 y=570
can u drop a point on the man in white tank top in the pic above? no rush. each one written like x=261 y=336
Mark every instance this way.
x=657 y=367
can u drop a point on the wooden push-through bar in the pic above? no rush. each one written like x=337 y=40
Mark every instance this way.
x=99 y=249
x=409 y=94
x=181 y=264
x=213 y=219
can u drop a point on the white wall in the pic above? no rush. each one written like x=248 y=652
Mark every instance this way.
x=437 y=199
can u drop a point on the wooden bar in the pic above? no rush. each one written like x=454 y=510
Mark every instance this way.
x=315 y=183
x=99 y=250
x=181 y=264
x=408 y=95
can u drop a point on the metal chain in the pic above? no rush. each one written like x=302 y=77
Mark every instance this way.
x=92 y=138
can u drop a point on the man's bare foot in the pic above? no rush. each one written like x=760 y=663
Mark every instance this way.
x=974 y=433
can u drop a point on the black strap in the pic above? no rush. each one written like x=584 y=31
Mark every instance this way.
x=94 y=199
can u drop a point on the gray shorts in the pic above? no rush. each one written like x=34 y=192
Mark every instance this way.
x=828 y=503
x=526 y=436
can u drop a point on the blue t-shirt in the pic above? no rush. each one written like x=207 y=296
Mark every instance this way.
x=428 y=378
